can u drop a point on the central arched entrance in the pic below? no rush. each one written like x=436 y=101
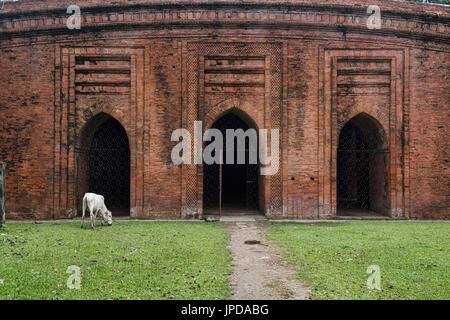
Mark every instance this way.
x=362 y=175
x=240 y=182
x=104 y=165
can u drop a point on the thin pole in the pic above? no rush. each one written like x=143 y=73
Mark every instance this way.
x=2 y=193
x=220 y=183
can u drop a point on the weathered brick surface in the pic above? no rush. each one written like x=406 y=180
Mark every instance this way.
x=429 y=134
x=309 y=92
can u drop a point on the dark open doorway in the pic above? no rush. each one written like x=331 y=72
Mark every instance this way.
x=105 y=163
x=239 y=181
x=362 y=184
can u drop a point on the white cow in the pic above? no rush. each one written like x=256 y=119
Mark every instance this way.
x=95 y=203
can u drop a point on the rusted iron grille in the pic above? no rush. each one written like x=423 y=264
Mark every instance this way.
x=109 y=166
x=239 y=181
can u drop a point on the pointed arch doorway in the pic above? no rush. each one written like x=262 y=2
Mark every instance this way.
x=235 y=187
x=104 y=163
x=362 y=168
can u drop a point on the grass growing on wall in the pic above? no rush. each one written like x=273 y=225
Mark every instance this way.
x=130 y=260
x=332 y=258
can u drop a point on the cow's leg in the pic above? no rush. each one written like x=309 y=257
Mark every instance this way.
x=102 y=217
x=82 y=213
x=92 y=219
x=96 y=215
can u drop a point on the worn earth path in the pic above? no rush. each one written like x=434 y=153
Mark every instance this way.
x=259 y=272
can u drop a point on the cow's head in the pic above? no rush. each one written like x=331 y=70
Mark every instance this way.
x=107 y=217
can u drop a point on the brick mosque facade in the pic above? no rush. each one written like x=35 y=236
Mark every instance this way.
x=104 y=99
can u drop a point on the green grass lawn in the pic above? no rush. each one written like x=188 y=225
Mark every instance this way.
x=413 y=258
x=130 y=260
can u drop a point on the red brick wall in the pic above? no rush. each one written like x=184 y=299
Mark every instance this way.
x=429 y=132
x=26 y=130
x=43 y=107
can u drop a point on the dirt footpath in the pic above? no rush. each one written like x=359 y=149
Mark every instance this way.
x=259 y=272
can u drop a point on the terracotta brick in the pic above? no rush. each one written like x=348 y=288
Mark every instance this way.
x=321 y=67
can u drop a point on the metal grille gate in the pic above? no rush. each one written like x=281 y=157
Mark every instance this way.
x=353 y=187
x=109 y=166
x=239 y=181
